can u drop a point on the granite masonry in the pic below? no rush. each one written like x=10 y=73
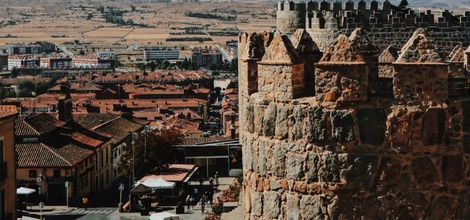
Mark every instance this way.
x=354 y=131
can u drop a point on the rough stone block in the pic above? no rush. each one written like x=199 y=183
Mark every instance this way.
x=433 y=126
x=295 y=164
x=424 y=171
x=362 y=170
x=258 y=119
x=310 y=208
x=292 y=207
x=452 y=166
x=269 y=120
x=342 y=125
x=278 y=161
x=298 y=123
x=256 y=204
x=312 y=167
x=282 y=127
x=271 y=205
x=316 y=124
x=329 y=168
x=372 y=125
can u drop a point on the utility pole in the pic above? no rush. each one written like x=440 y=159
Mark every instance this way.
x=134 y=136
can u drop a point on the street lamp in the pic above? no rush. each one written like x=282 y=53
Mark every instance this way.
x=134 y=136
x=145 y=131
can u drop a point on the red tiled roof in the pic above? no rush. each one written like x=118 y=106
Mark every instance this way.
x=39 y=155
x=85 y=139
x=7 y=110
x=24 y=129
x=44 y=122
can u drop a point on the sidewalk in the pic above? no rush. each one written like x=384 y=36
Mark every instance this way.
x=224 y=183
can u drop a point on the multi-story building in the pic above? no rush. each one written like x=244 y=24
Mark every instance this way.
x=157 y=54
x=7 y=163
x=34 y=48
x=56 y=62
x=22 y=61
x=93 y=63
x=232 y=48
x=3 y=61
x=205 y=55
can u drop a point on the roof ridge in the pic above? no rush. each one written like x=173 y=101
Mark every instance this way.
x=105 y=123
x=51 y=149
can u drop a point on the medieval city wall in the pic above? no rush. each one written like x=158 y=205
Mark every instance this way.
x=446 y=38
x=346 y=152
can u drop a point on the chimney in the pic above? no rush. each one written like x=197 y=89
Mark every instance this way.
x=65 y=102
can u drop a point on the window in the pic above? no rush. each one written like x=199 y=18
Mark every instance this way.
x=33 y=174
x=56 y=173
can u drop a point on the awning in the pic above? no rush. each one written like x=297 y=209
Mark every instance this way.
x=156 y=183
x=25 y=191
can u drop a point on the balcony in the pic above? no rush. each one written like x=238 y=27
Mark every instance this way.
x=3 y=171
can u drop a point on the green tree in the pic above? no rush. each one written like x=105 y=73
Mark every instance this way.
x=403 y=4
x=152 y=153
x=82 y=52
x=100 y=9
x=90 y=16
x=3 y=92
x=14 y=72
x=132 y=8
x=26 y=88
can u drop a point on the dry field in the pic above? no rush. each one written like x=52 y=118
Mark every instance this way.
x=79 y=20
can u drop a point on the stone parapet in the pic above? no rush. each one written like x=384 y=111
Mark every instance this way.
x=304 y=161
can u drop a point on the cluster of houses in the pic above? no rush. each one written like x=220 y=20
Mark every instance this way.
x=68 y=141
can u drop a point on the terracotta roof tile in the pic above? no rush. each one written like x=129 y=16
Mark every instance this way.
x=92 y=120
x=39 y=155
x=85 y=139
x=119 y=129
x=7 y=110
x=44 y=122
x=24 y=129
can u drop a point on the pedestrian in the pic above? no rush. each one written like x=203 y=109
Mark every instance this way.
x=203 y=204
x=195 y=192
x=85 y=202
x=188 y=201
x=191 y=201
x=216 y=177
x=211 y=181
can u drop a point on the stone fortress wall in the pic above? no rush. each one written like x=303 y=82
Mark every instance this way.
x=385 y=23
x=353 y=131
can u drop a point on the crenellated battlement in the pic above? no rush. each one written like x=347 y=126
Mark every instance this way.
x=355 y=131
x=385 y=21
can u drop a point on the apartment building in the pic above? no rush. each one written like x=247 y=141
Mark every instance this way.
x=205 y=55
x=164 y=54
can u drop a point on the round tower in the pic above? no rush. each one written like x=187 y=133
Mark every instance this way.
x=290 y=16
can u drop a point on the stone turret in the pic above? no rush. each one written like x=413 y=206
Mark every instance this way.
x=290 y=16
x=310 y=53
x=281 y=70
x=420 y=72
x=342 y=75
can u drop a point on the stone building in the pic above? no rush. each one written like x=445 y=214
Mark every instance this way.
x=387 y=24
x=353 y=132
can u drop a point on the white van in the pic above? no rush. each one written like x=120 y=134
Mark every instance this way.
x=164 y=216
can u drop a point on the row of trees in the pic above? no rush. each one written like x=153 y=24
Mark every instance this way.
x=187 y=64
